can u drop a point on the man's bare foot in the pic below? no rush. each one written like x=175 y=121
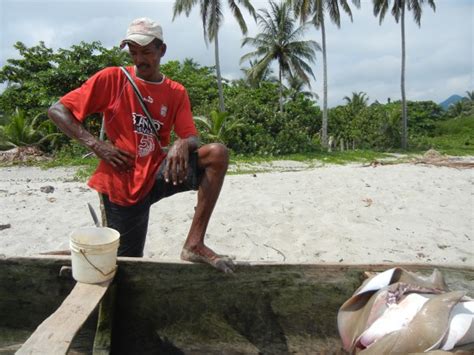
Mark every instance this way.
x=206 y=255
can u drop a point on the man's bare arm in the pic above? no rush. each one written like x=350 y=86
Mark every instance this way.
x=66 y=122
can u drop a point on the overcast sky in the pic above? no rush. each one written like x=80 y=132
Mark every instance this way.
x=362 y=56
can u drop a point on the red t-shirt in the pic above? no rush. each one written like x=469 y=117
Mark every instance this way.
x=109 y=91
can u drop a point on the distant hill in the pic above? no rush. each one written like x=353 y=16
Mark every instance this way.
x=450 y=100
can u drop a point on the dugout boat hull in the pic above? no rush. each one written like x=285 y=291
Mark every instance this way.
x=181 y=308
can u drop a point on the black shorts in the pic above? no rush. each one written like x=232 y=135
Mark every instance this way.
x=132 y=221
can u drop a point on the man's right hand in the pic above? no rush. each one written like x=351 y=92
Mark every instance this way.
x=119 y=159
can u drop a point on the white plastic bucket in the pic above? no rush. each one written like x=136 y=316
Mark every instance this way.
x=94 y=254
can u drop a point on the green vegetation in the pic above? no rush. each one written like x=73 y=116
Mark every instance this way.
x=20 y=131
x=254 y=127
x=263 y=116
x=258 y=164
x=454 y=136
x=398 y=11
x=73 y=155
x=87 y=165
x=280 y=41
x=349 y=156
x=212 y=19
x=318 y=11
x=218 y=126
x=38 y=79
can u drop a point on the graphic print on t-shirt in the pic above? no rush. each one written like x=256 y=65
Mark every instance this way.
x=148 y=99
x=146 y=146
x=164 y=110
x=142 y=127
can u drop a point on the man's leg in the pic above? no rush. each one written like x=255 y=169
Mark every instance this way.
x=213 y=159
x=132 y=224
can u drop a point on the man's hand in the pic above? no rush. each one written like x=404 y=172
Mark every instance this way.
x=119 y=159
x=66 y=122
x=176 y=167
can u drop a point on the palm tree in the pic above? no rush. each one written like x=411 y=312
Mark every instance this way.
x=296 y=86
x=265 y=75
x=281 y=41
x=458 y=108
x=398 y=12
x=21 y=131
x=219 y=125
x=470 y=96
x=316 y=9
x=212 y=18
x=358 y=101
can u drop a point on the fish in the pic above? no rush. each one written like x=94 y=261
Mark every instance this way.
x=424 y=333
x=393 y=319
x=461 y=326
x=376 y=294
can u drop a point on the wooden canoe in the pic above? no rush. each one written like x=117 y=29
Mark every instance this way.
x=181 y=308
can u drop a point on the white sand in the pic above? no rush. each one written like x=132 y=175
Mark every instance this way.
x=347 y=214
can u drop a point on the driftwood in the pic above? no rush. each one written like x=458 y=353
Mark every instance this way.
x=446 y=162
x=23 y=154
x=431 y=157
x=190 y=308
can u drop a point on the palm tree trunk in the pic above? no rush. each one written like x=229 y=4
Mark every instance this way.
x=324 y=138
x=404 y=102
x=218 y=72
x=280 y=88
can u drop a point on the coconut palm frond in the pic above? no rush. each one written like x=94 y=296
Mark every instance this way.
x=212 y=17
x=280 y=41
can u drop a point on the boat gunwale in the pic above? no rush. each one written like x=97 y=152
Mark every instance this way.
x=329 y=266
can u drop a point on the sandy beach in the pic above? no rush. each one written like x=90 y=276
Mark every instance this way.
x=403 y=213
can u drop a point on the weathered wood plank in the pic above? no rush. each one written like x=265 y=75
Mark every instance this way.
x=55 y=334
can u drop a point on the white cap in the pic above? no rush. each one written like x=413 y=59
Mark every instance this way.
x=142 y=31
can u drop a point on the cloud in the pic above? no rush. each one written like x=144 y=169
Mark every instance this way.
x=362 y=55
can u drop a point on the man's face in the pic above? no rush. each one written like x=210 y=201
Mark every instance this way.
x=146 y=59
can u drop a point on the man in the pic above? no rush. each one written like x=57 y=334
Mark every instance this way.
x=134 y=171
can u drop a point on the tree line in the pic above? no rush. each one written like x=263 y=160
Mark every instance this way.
x=253 y=122
x=262 y=114
x=278 y=41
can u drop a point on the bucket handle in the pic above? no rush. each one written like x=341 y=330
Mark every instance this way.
x=95 y=267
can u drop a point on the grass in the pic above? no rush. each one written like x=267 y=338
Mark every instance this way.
x=350 y=156
x=88 y=165
x=452 y=137
x=74 y=155
x=260 y=164
x=85 y=166
x=240 y=164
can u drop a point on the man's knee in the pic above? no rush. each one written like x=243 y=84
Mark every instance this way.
x=220 y=151
x=218 y=154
